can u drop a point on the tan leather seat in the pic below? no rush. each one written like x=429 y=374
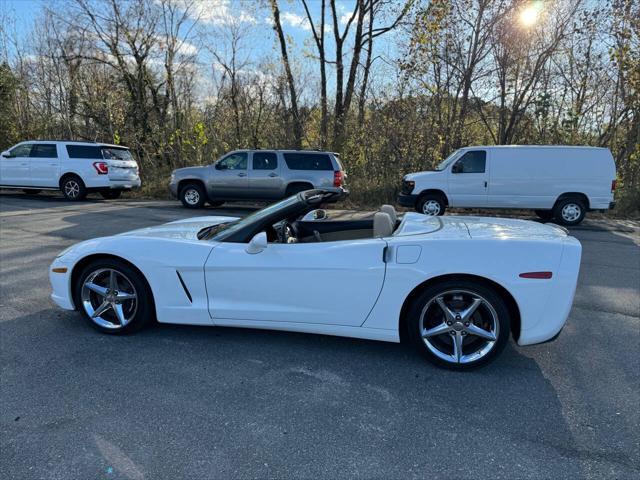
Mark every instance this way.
x=391 y=211
x=383 y=226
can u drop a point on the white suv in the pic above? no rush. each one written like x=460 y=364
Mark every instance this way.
x=74 y=168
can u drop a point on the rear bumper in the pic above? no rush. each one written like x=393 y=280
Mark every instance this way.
x=407 y=199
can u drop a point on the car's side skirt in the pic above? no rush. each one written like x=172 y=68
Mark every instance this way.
x=380 y=334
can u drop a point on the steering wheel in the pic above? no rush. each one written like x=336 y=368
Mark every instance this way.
x=287 y=233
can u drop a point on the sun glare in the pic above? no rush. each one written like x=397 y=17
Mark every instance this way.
x=530 y=15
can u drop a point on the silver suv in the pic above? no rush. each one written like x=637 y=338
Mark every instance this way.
x=256 y=175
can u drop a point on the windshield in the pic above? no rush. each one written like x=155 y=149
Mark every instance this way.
x=112 y=153
x=220 y=232
x=446 y=162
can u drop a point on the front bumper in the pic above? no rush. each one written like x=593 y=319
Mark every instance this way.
x=61 y=285
x=407 y=199
x=173 y=189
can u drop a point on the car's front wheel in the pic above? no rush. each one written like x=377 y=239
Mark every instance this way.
x=193 y=195
x=459 y=324
x=431 y=204
x=114 y=296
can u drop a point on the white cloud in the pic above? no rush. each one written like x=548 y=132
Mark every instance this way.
x=219 y=12
x=295 y=20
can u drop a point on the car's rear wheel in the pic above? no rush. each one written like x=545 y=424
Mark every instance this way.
x=114 y=296
x=544 y=215
x=459 y=325
x=193 y=195
x=31 y=191
x=431 y=204
x=569 y=211
x=73 y=188
x=111 y=194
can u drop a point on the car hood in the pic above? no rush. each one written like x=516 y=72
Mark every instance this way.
x=186 y=229
x=189 y=170
x=425 y=174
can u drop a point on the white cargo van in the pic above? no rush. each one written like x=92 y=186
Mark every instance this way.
x=557 y=182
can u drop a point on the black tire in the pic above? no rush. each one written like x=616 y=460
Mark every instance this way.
x=143 y=312
x=216 y=203
x=544 y=215
x=111 y=194
x=31 y=191
x=431 y=202
x=193 y=195
x=73 y=188
x=493 y=312
x=569 y=211
x=296 y=188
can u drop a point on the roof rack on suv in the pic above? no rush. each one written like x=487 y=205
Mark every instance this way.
x=65 y=141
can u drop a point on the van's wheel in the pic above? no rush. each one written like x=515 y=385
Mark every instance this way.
x=111 y=194
x=216 y=203
x=113 y=296
x=73 y=188
x=431 y=204
x=193 y=195
x=544 y=215
x=31 y=191
x=569 y=211
x=459 y=324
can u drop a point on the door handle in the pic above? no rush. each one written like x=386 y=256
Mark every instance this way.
x=242 y=174
x=485 y=184
x=273 y=174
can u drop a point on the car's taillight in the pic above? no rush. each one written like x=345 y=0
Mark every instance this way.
x=101 y=167
x=613 y=185
x=338 y=178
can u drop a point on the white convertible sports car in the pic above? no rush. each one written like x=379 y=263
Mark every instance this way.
x=456 y=287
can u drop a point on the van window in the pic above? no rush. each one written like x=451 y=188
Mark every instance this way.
x=113 y=153
x=308 y=161
x=44 y=150
x=21 y=150
x=471 y=162
x=234 y=161
x=84 y=151
x=265 y=161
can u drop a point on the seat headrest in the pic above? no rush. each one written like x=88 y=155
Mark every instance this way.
x=391 y=211
x=383 y=226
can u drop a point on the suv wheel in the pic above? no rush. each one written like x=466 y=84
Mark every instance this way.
x=569 y=211
x=193 y=195
x=73 y=188
x=431 y=204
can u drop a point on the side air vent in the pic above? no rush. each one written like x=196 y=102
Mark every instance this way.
x=186 y=290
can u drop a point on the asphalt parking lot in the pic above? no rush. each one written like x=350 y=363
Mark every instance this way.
x=203 y=402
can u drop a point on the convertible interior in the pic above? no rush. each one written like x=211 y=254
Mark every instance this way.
x=321 y=225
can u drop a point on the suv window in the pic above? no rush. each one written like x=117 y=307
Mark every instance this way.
x=84 y=151
x=21 y=150
x=44 y=150
x=113 y=153
x=308 y=161
x=265 y=161
x=234 y=161
x=471 y=162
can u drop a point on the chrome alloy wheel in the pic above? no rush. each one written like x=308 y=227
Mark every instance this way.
x=191 y=196
x=71 y=189
x=431 y=207
x=109 y=298
x=459 y=326
x=571 y=212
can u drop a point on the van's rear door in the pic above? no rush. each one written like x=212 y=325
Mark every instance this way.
x=122 y=166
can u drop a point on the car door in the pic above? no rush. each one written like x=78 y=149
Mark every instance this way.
x=468 y=180
x=44 y=165
x=265 y=180
x=14 y=168
x=333 y=283
x=229 y=178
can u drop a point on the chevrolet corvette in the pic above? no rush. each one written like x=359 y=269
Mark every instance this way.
x=456 y=287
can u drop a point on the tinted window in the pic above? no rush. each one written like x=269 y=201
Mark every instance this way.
x=235 y=161
x=265 y=161
x=112 y=153
x=21 y=150
x=308 y=161
x=44 y=150
x=84 y=151
x=471 y=162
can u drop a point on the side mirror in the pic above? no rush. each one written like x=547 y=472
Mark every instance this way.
x=6 y=154
x=221 y=166
x=258 y=243
x=457 y=168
